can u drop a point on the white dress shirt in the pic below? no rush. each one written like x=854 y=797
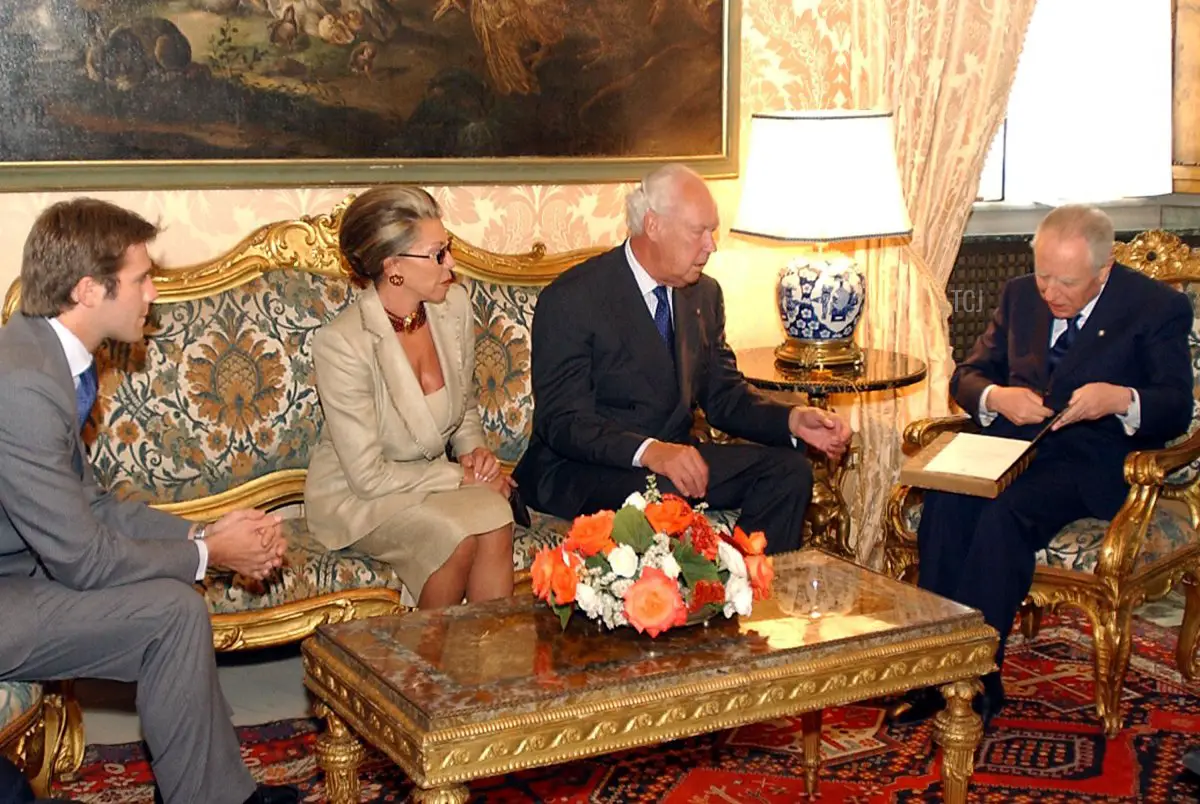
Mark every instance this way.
x=1131 y=419
x=79 y=359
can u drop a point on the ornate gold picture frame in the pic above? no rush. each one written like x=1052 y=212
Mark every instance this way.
x=227 y=93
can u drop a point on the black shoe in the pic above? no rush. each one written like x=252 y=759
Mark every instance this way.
x=264 y=794
x=991 y=700
x=918 y=705
x=274 y=794
x=1191 y=761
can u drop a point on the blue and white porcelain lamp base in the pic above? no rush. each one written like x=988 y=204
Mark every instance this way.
x=820 y=301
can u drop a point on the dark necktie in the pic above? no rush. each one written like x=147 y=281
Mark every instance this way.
x=662 y=318
x=85 y=394
x=1062 y=344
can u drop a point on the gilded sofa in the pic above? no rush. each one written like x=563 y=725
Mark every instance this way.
x=1108 y=568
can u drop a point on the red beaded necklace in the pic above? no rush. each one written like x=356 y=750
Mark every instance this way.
x=409 y=323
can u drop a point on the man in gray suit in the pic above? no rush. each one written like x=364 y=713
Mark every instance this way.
x=90 y=586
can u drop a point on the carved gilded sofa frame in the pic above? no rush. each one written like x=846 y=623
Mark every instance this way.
x=1134 y=559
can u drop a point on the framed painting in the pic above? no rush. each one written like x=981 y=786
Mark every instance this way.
x=227 y=93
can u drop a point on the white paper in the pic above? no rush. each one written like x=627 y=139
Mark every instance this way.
x=975 y=455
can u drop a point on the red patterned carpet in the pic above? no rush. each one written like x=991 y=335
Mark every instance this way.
x=1045 y=747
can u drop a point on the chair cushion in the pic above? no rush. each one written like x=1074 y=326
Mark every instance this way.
x=17 y=698
x=1077 y=546
x=310 y=569
x=545 y=531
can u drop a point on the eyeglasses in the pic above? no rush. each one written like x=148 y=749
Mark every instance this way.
x=438 y=256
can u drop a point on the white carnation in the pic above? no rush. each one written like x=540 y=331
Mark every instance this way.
x=624 y=561
x=731 y=560
x=739 y=596
x=636 y=500
x=670 y=566
x=587 y=600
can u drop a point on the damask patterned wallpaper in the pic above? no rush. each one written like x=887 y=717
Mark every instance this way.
x=794 y=55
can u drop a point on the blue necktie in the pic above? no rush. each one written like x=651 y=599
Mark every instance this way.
x=662 y=318
x=1062 y=344
x=85 y=394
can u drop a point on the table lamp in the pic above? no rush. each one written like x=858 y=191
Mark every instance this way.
x=820 y=177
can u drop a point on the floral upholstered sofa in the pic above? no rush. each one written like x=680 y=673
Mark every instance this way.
x=1108 y=568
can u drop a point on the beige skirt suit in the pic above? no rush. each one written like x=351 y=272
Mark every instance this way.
x=379 y=478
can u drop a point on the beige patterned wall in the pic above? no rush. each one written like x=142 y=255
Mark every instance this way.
x=789 y=59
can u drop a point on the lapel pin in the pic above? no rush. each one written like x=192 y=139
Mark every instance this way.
x=1100 y=334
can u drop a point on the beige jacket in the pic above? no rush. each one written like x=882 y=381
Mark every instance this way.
x=380 y=451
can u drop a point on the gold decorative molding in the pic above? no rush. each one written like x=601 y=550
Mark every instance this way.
x=280 y=488
x=23 y=742
x=291 y=622
x=1161 y=255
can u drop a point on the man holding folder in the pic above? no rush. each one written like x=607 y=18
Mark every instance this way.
x=1102 y=350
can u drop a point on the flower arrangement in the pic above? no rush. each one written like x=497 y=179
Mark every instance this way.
x=655 y=564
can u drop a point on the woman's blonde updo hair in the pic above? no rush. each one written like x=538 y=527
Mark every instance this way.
x=381 y=223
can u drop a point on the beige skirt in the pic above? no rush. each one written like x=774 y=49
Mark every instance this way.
x=422 y=538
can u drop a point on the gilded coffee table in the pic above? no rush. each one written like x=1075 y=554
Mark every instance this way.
x=487 y=689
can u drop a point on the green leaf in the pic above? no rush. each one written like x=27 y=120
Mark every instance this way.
x=694 y=566
x=563 y=612
x=598 y=561
x=630 y=527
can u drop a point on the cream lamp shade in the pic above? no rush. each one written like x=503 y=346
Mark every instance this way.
x=821 y=177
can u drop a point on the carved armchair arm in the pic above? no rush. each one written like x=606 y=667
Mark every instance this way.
x=900 y=541
x=1146 y=473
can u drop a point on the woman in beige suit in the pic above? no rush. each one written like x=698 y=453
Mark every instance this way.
x=395 y=376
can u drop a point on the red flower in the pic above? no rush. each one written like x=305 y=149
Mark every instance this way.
x=704 y=538
x=557 y=573
x=705 y=592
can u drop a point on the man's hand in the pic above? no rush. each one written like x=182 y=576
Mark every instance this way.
x=1094 y=401
x=248 y=542
x=1018 y=405
x=827 y=432
x=481 y=464
x=679 y=463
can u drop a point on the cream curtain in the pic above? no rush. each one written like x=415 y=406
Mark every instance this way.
x=945 y=68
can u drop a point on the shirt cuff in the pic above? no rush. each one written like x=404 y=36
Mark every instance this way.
x=200 y=570
x=1131 y=419
x=637 y=456
x=986 y=416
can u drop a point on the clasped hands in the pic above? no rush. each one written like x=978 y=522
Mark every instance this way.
x=686 y=468
x=1089 y=402
x=247 y=541
x=480 y=467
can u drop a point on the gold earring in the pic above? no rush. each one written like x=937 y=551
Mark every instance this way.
x=396 y=280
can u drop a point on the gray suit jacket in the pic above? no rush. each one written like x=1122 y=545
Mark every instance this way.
x=56 y=524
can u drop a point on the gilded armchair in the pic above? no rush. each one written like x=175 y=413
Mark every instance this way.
x=1107 y=568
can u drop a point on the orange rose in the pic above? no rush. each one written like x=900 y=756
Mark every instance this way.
x=566 y=576
x=555 y=572
x=542 y=571
x=752 y=545
x=671 y=516
x=653 y=604
x=761 y=570
x=592 y=534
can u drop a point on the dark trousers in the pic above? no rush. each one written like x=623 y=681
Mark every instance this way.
x=771 y=485
x=981 y=552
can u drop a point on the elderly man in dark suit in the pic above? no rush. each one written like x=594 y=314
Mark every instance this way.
x=91 y=586
x=1100 y=343
x=626 y=346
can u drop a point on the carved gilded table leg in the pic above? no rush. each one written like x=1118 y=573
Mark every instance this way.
x=447 y=794
x=957 y=729
x=339 y=753
x=1185 y=651
x=811 y=723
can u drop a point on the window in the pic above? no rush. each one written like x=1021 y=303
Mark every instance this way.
x=1089 y=115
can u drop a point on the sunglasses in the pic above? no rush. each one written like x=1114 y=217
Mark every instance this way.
x=438 y=256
